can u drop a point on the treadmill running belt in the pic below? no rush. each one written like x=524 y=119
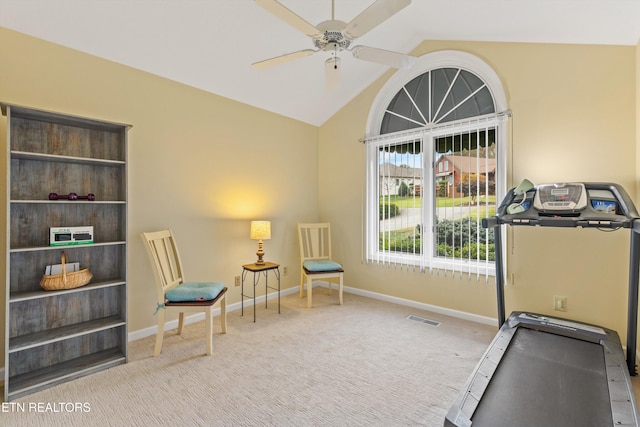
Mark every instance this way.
x=547 y=380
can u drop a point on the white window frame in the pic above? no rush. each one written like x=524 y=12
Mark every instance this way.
x=431 y=61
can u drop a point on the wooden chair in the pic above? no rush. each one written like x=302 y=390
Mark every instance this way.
x=315 y=258
x=174 y=294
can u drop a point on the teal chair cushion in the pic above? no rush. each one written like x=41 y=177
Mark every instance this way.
x=321 y=265
x=195 y=291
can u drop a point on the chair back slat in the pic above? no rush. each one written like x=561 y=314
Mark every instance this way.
x=315 y=241
x=167 y=271
x=165 y=259
x=315 y=245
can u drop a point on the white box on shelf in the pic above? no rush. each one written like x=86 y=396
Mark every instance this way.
x=68 y=236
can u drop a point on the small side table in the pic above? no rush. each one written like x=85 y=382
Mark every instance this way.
x=258 y=270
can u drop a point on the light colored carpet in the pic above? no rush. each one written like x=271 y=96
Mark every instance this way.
x=360 y=364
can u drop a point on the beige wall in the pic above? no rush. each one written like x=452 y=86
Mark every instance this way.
x=205 y=166
x=198 y=163
x=637 y=119
x=573 y=120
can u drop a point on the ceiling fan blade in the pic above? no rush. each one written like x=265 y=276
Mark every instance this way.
x=277 y=9
x=381 y=56
x=260 y=65
x=374 y=15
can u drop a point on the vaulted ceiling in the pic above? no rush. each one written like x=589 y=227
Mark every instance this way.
x=211 y=44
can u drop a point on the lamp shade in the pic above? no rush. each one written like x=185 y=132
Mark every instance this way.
x=260 y=230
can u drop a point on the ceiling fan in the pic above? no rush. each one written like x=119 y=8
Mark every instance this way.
x=334 y=36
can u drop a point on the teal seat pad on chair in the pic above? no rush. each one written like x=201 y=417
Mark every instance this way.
x=195 y=291
x=321 y=265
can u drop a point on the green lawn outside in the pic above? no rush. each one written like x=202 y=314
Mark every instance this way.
x=411 y=202
x=480 y=212
x=441 y=202
x=402 y=202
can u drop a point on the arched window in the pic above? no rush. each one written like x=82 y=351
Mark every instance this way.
x=440 y=127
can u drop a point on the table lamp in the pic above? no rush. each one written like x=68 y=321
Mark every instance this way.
x=260 y=230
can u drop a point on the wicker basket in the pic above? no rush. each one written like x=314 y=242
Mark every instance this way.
x=56 y=282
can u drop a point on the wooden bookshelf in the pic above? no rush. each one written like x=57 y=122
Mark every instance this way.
x=56 y=336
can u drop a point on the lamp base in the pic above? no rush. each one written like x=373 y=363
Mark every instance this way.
x=260 y=254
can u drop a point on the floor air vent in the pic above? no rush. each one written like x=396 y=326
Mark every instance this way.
x=423 y=320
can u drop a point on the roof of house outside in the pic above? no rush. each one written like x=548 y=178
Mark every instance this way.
x=395 y=171
x=468 y=164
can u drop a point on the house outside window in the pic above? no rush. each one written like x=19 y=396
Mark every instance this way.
x=440 y=126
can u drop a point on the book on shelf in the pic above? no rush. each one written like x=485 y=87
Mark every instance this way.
x=71 y=267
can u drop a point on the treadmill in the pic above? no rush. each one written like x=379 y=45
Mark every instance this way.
x=544 y=371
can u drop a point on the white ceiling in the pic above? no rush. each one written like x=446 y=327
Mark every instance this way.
x=210 y=44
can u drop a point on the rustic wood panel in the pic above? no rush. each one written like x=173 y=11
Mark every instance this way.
x=35 y=179
x=33 y=316
x=104 y=262
x=30 y=222
x=59 y=352
x=23 y=342
x=64 y=139
x=40 y=379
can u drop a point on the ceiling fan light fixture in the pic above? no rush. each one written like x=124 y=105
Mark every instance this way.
x=332 y=71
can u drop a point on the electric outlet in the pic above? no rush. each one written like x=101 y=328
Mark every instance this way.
x=285 y=270
x=560 y=303
x=237 y=279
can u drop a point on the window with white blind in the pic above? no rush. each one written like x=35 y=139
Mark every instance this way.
x=436 y=167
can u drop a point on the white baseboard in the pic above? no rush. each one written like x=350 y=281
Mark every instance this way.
x=422 y=306
x=173 y=324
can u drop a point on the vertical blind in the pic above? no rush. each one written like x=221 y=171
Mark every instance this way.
x=427 y=192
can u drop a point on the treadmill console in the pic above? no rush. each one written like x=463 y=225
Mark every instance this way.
x=560 y=197
x=577 y=204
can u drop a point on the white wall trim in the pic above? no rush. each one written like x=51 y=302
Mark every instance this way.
x=146 y=332
x=427 y=307
x=173 y=324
